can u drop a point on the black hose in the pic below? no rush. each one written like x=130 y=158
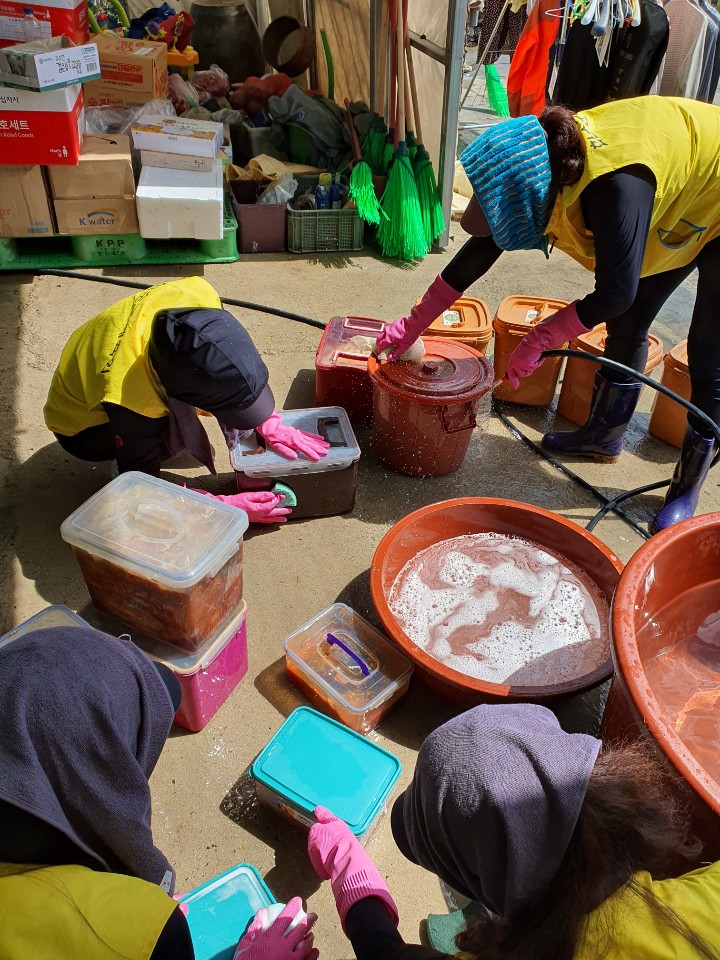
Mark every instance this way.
x=136 y=285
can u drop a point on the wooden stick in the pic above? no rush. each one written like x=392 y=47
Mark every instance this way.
x=353 y=132
x=400 y=129
x=393 y=64
x=408 y=105
x=413 y=88
x=381 y=66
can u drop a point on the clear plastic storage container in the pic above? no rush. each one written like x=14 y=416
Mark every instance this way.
x=160 y=558
x=322 y=489
x=55 y=616
x=345 y=667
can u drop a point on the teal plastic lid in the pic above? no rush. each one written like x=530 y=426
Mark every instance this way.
x=220 y=910
x=54 y=616
x=315 y=761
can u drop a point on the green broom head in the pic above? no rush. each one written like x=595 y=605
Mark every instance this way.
x=374 y=145
x=401 y=235
x=429 y=197
x=412 y=144
x=497 y=97
x=362 y=192
x=388 y=154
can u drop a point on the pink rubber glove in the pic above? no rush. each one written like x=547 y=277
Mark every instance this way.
x=288 y=440
x=277 y=942
x=261 y=507
x=338 y=856
x=559 y=328
x=404 y=332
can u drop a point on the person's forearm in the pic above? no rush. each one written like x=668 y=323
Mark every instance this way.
x=471 y=262
x=374 y=935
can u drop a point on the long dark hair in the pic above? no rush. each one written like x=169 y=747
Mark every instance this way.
x=565 y=146
x=632 y=819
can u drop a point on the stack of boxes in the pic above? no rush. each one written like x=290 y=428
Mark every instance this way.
x=132 y=72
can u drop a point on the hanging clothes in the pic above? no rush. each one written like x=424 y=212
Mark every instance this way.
x=684 y=60
x=507 y=34
x=711 y=44
x=639 y=53
x=581 y=82
x=714 y=15
x=527 y=78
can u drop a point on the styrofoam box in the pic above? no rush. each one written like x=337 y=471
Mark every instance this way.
x=181 y=203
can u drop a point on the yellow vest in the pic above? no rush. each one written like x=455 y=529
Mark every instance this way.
x=679 y=140
x=105 y=360
x=74 y=913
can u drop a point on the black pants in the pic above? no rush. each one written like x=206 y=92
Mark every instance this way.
x=627 y=339
x=94 y=444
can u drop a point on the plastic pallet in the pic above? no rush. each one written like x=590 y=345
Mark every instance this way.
x=324 y=231
x=102 y=250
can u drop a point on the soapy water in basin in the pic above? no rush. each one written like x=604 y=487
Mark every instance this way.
x=502 y=609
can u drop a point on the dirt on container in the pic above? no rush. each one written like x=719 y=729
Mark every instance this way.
x=668 y=418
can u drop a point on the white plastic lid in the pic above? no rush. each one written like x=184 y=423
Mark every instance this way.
x=157 y=529
x=341 y=653
x=330 y=422
x=55 y=616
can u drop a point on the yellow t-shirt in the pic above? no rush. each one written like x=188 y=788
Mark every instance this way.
x=105 y=360
x=74 y=913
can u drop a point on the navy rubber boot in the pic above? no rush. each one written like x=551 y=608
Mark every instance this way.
x=681 y=500
x=613 y=405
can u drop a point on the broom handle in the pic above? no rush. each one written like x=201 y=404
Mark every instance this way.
x=353 y=132
x=400 y=130
x=413 y=88
x=393 y=64
x=381 y=68
x=408 y=105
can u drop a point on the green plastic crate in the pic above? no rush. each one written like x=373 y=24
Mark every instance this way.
x=324 y=231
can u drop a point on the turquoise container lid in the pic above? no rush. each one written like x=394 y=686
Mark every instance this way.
x=315 y=761
x=220 y=910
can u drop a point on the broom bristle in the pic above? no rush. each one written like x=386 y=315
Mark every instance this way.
x=401 y=235
x=374 y=145
x=362 y=192
x=387 y=158
x=429 y=197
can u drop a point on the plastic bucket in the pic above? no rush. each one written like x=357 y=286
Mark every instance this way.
x=515 y=317
x=682 y=558
x=467 y=321
x=455 y=518
x=668 y=418
x=577 y=386
x=424 y=411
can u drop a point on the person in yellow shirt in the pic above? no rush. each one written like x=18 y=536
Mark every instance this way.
x=563 y=845
x=130 y=381
x=631 y=190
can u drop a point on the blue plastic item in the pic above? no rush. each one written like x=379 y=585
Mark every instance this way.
x=220 y=910
x=315 y=761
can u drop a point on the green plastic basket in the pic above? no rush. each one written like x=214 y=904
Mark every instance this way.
x=324 y=231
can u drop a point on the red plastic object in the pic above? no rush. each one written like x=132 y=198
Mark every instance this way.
x=424 y=411
x=341 y=371
x=456 y=518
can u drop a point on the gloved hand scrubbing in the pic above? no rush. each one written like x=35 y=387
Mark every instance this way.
x=281 y=940
x=338 y=856
x=261 y=507
x=401 y=334
x=559 y=328
x=289 y=441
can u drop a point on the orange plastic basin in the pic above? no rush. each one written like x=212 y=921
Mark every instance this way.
x=683 y=558
x=577 y=386
x=668 y=418
x=455 y=518
x=515 y=317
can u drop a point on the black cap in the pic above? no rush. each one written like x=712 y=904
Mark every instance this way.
x=206 y=359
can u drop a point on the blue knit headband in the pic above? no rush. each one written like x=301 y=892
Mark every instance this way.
x=509 y=169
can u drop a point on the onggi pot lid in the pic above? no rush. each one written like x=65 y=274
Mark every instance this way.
x=449 y=371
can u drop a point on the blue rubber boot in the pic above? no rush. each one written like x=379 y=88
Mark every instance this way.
x=613 y=405
x=681 y=500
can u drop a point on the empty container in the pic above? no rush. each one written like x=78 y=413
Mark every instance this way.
x=262 y=227
x=54 y=616
x=341 y=370
x=219 y=911
x=467 y=320
x=323 y=488
x=424 y=411
x=669 y=419
x=181 y=203
x=347 y=668
x=315 y=761
x=159 y=557
x=579 y=378
x=515 y=317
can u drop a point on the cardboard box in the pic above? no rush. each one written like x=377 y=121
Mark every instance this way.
x=131 y=71
x=94 y=216
x=193 y=138
x=48 y=64
x=105 y=170
x=176 y=161
x=58 y=18
x=41 y=128
x=24 y=207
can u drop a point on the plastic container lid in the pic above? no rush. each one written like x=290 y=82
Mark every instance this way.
x=220 y=910
x=342 y=342
x=466 y=318
x=677 y=358
x=164 y=532
x=594 y=342
x=448 y=373
x=517 y=314
x=54 y=616
x=314 y=760
x=331 y=422
x=326 y=648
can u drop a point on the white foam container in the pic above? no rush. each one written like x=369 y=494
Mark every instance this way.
x=180 y=203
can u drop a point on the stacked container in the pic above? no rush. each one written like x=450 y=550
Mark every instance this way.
x=515 y=317
x=341 y=371
x=668 y=418
x=55 y=616
x=467 y=320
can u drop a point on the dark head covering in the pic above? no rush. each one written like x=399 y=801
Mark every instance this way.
x=83 y=720
x=494 y=801
x=206 y=359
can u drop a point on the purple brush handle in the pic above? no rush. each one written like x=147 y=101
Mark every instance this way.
x=331 y=639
